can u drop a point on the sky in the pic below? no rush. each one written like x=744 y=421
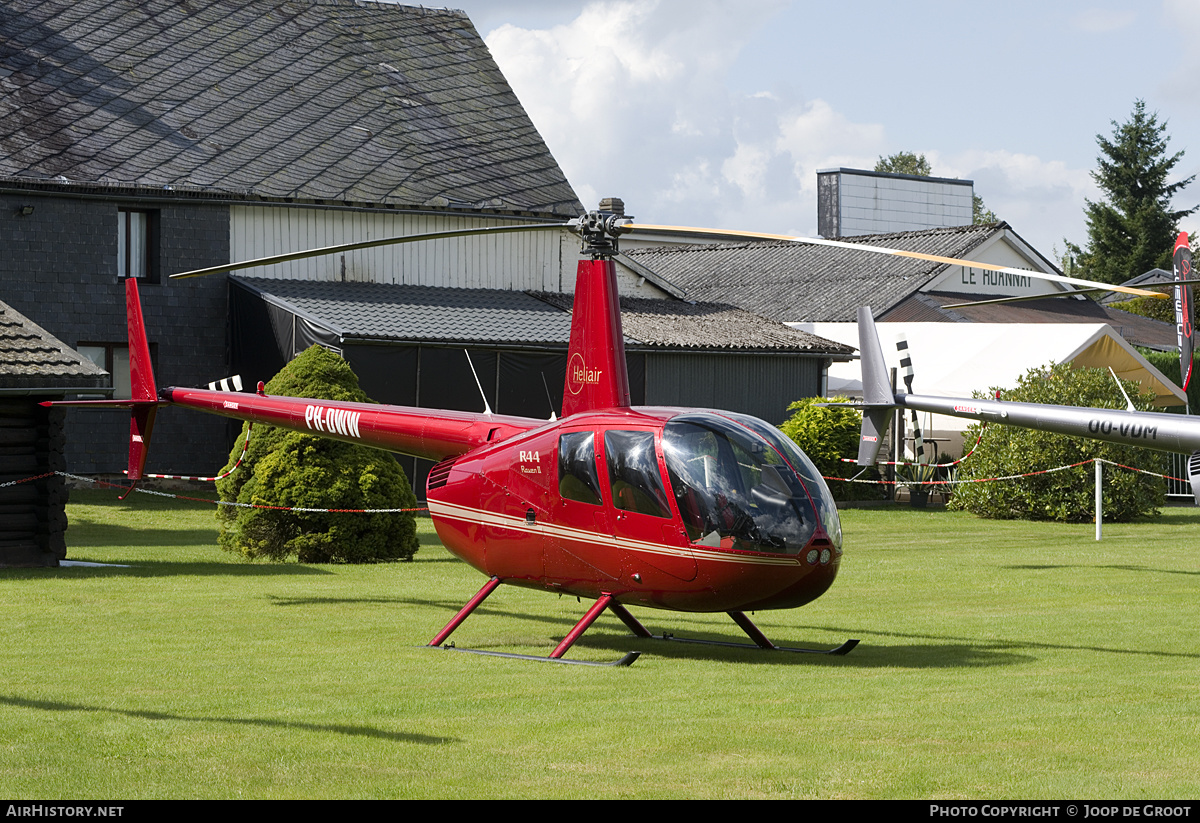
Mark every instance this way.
x=719 y=114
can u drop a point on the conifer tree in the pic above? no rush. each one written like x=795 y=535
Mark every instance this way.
x=289 y=470
x=1132 y=229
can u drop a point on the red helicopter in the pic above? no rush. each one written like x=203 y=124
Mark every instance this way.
x=680 y=509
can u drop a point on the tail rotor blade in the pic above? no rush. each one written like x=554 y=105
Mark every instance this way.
x=918 y=438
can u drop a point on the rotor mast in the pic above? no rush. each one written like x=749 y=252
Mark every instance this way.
x=597 y=374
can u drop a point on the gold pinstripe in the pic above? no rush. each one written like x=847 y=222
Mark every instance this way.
x=453 y=511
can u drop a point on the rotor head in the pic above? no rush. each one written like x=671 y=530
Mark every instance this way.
x=599 y=229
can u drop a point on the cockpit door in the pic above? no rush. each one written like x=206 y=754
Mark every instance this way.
x=579 y=542
x=641 y=517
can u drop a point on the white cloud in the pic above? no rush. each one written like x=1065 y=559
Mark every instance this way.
x=633 y=101
x=1041 y=199
x=1182 y=58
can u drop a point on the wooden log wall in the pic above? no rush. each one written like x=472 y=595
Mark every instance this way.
x=33 y=519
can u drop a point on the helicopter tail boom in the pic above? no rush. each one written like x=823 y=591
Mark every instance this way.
x=425 y=433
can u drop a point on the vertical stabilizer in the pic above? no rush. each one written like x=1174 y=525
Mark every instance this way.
x=141 y=381
x=878 y=399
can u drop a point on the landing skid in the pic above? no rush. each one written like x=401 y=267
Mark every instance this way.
x=627 y=660
x=606 y=601
x=760 y=639
x=845 y=648
x=556 y=656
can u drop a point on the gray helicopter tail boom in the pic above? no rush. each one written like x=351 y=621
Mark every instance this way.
x=1150 y=430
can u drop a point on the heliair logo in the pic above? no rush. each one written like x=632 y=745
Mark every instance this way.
x=579 y=375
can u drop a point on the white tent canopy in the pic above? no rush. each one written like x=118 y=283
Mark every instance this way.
x=957 y=359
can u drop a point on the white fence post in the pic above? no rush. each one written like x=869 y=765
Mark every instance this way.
x=1099 y=496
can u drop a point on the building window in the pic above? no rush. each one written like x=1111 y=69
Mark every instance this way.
x=114 y=359
x=136 y=244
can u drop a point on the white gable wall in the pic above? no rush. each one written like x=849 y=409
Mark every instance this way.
x=1003 y=249
x=540 y=260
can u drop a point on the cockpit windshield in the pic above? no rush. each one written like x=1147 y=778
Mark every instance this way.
x=737 y=489
x=813 y=481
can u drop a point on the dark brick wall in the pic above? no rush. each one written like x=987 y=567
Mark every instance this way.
x=58 y=266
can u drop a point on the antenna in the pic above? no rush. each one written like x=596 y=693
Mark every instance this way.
x=486 y=408
x=549 y=399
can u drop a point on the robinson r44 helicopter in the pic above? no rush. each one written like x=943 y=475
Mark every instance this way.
x=687 y=510
x=680 y=509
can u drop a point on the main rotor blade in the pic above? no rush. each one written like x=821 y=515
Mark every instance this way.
x=366 y=244
x=1028 y=297
x=933 y=258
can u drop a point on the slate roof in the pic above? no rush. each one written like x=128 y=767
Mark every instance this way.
x=797 y=282
x=317 y=100
x=32 y=359
x=1152 y=276
x=383 y=311
x=676 y=324
x=431 y=314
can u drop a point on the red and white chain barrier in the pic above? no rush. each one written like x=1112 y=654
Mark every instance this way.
x=222 y=503
x=222 y=476
x=978 y=440
x=127 y=489
x=1006 y=477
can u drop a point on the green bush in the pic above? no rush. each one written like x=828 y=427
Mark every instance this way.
x=290 y=469
x=1067 y=496
x=827 y=434
x=1167 y=362
x=1151 y=307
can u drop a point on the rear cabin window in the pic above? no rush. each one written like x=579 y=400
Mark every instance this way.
x=577 y=475
x=633 y=473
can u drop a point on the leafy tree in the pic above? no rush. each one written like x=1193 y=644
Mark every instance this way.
x=907 y=162
x=827 y=434
x=1067 y=496
x=1163 y=310
x=290 y=469
x=1132 y=230
x=904 y=162
x=980 y=213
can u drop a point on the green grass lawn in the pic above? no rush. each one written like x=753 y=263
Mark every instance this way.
x=997 y=660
